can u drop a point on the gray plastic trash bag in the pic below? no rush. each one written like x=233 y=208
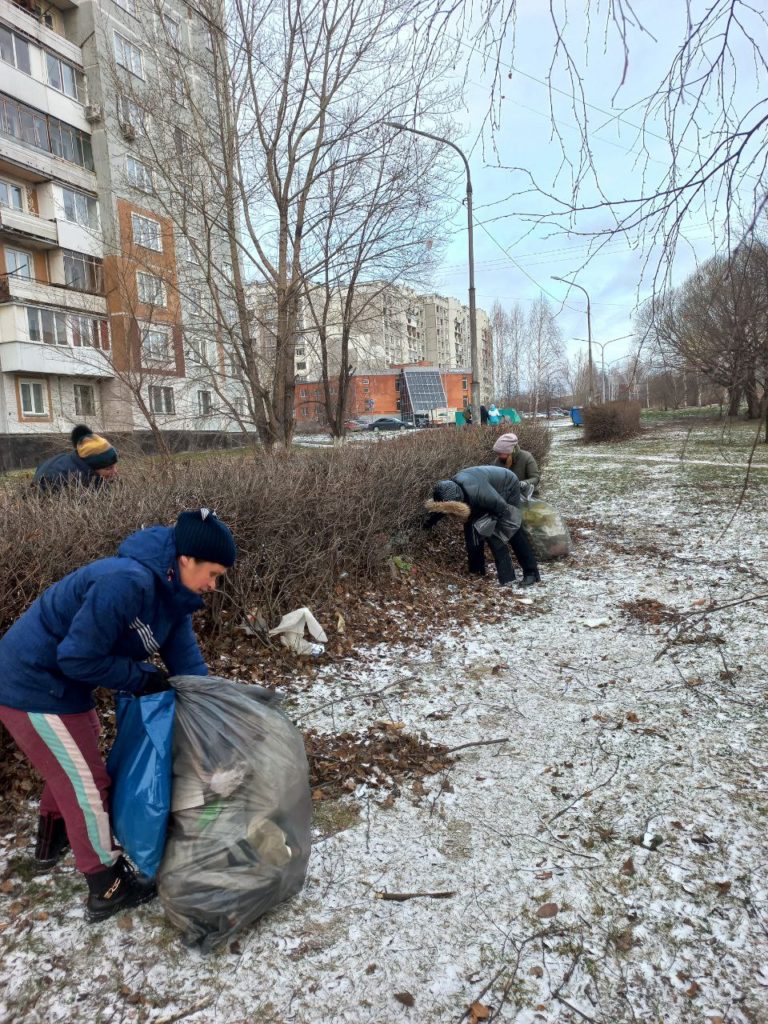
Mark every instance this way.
x=239 y=836
x=546 y=529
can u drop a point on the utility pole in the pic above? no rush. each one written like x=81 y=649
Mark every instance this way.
x=572 y=284
x=474 y=353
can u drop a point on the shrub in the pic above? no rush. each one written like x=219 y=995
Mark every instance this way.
x=613 y=421
x=300 y=519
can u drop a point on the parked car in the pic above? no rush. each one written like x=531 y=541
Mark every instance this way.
x=352 y=425
x=388 y=423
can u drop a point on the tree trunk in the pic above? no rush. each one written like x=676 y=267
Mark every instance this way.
x=734 y=400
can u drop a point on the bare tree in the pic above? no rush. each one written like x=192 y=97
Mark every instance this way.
x=544 y=356
x=245 y=125
x=510 y=335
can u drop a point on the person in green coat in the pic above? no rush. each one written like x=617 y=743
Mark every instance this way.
x=512 y=456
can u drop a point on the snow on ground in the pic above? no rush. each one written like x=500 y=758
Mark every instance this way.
x=607 y=860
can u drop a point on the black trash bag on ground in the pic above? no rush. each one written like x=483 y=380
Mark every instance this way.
x=546 y=529
x=241 y=811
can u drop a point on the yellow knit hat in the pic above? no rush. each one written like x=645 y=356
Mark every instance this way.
x=94 y=450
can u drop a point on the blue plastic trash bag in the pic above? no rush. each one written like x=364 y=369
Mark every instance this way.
x=140 y=765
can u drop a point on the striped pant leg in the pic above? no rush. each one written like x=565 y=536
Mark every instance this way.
x=65 y=751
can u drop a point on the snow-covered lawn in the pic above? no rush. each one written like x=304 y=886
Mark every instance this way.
x=606 y=861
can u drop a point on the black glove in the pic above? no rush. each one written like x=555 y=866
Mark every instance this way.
x=155 y=681
x=431 y=520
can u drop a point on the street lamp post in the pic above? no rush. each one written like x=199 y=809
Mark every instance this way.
x=590 y=396
x=602 y=348
x=474 y=353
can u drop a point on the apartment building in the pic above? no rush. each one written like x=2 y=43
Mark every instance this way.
x=100 y=287
x=447 y=338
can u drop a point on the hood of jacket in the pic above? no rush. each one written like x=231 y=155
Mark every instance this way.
x=155 y=549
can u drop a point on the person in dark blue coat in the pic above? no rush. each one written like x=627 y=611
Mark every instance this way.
x=93 y=463
x=487 y=491
x=98 y=627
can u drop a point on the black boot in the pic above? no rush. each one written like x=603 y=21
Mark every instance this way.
x=529 y=579
x=116 y=888
x=52 y=842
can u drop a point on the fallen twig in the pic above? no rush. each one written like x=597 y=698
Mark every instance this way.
x=201 y=1004
x=476 y=743
x=401 y=897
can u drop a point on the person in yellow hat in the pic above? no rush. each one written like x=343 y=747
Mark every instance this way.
x=93 y=463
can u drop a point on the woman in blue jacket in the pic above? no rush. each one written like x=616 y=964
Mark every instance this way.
x=96 y=628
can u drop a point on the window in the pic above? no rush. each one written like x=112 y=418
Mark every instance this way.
x=155 y=346
x=14 y=50
x=185 y=250
x=18 y=263
x=181 y=140
x=32 y=128
x=364 y=382
x=301 y=366
x=80 y=208
x=82 y=272
x=397 y=385
x=127 y=5
x=464 y=383
x=146 y=232
x=161 y=400
x=397 y=404
x=172 y=29
x=85 y=331
x=303 y=393
x=208 y=36
x=240 y=406
x=139 y=175
x=129 y=56
x=129 y=112
x=11 y=195
x=47 y=326
x=32 y=398
x=151 y=289
x=205 y=403
x=85 y=400
x=65 y=78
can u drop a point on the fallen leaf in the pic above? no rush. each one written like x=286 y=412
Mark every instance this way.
x=624 y=940
x=542 y=876
x=340 y=624
x=370 y=968
x=632 y=717
x=479 y=1011
x=405 y=998
x=723 y=887
x=548 y=910
x=125 y=923
x=235 y=948
x=7 y=886
x=537 y=972
x=628 y=867
x=318 y=795
x=693 y=989
x=42 y=915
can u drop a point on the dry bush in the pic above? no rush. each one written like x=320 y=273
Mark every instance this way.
x=613 y=421
x=300 y=519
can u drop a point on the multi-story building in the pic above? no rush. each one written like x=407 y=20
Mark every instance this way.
x=98 y=292
x=447 y=338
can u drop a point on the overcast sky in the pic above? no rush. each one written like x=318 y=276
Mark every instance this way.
x=516 y=259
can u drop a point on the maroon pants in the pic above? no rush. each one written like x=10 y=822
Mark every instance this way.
x=65 y=751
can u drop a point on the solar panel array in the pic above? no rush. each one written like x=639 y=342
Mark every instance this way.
x=425 y=390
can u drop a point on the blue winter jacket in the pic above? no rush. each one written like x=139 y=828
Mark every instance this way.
x=97 y=626
x=63 y=469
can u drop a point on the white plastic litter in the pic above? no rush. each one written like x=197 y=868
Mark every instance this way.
x=291 y=630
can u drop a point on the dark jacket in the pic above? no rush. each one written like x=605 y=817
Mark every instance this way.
x=97 y=627
x=64 y=469
x=489 y=489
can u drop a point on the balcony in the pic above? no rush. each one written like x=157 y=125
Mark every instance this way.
x=54 y=360
x=34 y=26
x=37 y=165
x=28 y=230
x=36 y=293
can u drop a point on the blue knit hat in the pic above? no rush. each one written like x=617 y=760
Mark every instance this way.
x=202 y=535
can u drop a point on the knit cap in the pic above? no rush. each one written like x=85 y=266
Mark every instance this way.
x=94 y=450
x=505 y=444
x=202 y=535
